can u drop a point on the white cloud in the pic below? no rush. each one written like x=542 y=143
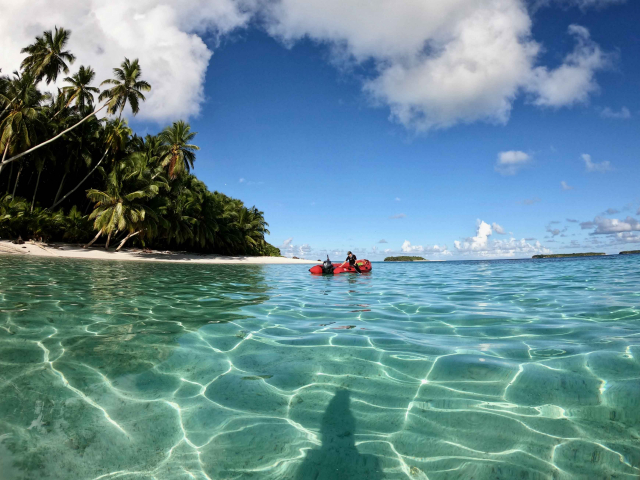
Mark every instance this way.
x=399 y=215
x=242 y=180
x=595 y=167
x=482 y=246
x=573 y=81
x=286 y=243
x=163 y=34
x=288 y=249
x=565 y=185
x=613 y=225
x=435 y=63
x=510 y=162
x=623 y=114
x=498 y=229
x=438 y=249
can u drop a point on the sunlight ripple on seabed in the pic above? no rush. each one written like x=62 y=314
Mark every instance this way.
x=496 y=370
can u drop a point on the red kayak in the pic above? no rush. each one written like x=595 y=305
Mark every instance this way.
x=365 y=266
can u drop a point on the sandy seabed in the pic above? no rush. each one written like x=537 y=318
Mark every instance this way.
x=64 y=250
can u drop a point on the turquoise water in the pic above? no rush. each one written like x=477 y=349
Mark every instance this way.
x=460 y=370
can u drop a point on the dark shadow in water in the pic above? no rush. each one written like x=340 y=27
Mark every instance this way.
x=338 y=458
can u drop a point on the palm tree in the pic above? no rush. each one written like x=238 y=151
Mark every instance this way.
x=80 y=89
x=127 y=88
x=115 y=97
x=179 y=154
x=46 y=57
x=117 y=132
x=18 y=127
x=123 y=204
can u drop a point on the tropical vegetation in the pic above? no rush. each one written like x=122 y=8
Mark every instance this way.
x=406 y=258
x=68 y=174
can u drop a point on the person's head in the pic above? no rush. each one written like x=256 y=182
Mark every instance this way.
x=349 y=254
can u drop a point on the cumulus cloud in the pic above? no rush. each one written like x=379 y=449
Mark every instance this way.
x=435 y=63
x=565 y=186
x=482 y=246
x=437 y=249
x=399 y=215
x=613 y=225
x=498 y=229
x=573 y=81
x=623 y=114
x=288 y=249
x=166 y=35
x=587 y=225
x=510 y=162
x=595 y=167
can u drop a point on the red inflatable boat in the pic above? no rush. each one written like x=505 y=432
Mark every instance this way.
x=365 y=266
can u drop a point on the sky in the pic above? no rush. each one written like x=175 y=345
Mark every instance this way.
x=449 y=129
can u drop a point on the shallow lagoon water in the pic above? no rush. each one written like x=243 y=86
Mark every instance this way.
x=456 y=370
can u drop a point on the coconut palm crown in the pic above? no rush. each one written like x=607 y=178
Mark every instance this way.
x=80 y=89
x=127 y=87
x=46 y=57
x=179 y=155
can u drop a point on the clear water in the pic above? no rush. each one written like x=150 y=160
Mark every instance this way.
x=474 y=370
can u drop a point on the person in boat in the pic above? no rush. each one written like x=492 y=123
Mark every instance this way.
x=351 y=260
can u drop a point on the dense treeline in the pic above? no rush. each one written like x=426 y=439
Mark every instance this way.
x=67 y=175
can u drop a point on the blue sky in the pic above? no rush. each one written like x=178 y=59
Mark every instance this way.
x=307 y=120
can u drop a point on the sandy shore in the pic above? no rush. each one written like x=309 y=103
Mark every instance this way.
x=63 y=250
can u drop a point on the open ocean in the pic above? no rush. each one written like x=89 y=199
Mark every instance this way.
x=445 y=370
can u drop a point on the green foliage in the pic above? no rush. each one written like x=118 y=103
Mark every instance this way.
x=405 y=259
x=99 y=179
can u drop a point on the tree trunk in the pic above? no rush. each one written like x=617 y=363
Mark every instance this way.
x=59 y=189
x=127 y=238
x=8 y=105
x=3 y=157
x=15 y=185
x=94 y=239
x=36 y=190
x=81 y=181
x=20 y=155
x=9 y=179
x=106 y=245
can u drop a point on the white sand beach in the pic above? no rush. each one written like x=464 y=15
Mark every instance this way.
x=64 y=250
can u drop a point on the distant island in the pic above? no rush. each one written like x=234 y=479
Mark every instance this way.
x=405 y=259
x=630 y=252
x=567 y=255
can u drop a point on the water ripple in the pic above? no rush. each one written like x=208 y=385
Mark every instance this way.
x=484 y=370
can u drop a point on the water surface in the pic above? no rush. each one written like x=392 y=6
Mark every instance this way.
x=457 y=370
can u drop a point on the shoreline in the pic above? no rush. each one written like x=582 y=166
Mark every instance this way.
x=66 y=250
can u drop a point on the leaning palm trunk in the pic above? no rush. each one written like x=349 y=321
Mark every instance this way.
x=8 y=105
x=36 y=190
x=81 y=181
x=4 y=156
x=106 y=245
x=40 y=145
x=94 y=239
x=127 y=238
x=55 y=202
x=15 y=185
